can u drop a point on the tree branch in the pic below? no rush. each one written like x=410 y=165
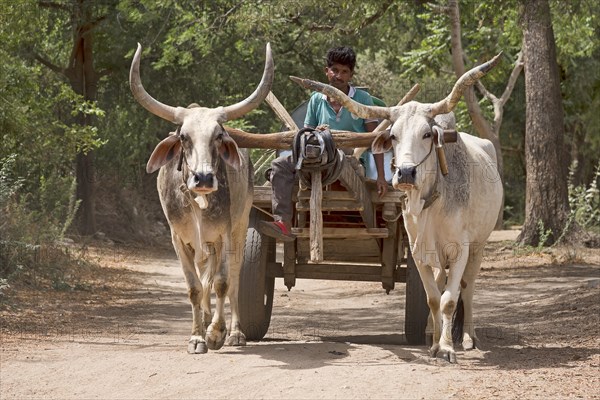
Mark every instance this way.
x=50 y=65
x=321 y=28
x=486 y=93
x=95 y=22
x=370 y=20
x=513 y=79
x=366 y=22
x=51 y=4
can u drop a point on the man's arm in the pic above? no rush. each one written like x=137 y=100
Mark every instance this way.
x=310 y=119
x=382 y=185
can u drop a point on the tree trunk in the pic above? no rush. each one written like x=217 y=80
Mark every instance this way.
x=84 y=81
x=481 y=125
x=546 y=199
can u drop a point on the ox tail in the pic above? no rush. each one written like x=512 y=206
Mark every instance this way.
x=458 y=321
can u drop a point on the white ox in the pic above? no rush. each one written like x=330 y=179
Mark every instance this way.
x=448 y=218
x=205 y=188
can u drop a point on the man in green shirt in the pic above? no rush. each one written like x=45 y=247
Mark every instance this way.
x=321 y=111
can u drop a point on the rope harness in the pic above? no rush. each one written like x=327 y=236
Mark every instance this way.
x=434 y=194
x=200 y=200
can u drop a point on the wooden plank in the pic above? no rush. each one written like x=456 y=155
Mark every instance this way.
x=343 y=233
x=332 y=205
x=343 y=250
x=328 y=195
x=392 y=196
x=289 y=264
x=364 y=273
x=355 y=185
x=262 y=196
x=281 y=112
x=389 y=253
x=316 y=218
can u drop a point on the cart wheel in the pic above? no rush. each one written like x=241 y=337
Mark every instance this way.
x=417 y=310
x=256 y=287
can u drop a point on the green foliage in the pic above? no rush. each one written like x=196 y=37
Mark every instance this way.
x=584 y=206
x=32 y=221
x=584 y=201
x=543 y=234
x=9 y=183
x=39 y=216
x=212 y=53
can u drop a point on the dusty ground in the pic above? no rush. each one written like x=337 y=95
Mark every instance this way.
x=124 y=335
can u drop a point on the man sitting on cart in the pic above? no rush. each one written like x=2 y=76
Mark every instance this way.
x=320 y=111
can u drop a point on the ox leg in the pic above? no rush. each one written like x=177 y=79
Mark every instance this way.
x=433 y=301
x=217 y=330
x=196 y=344
x=235 y=257
x=440 y=280
x=448 y=303
x=469 y=340
x=203 y=267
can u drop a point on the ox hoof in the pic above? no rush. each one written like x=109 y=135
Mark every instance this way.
x=236 y=339
x=196 y=345
x=469 y=344
x=434 y=350
x=443 y=353
x=215 y=337
x=447 y=355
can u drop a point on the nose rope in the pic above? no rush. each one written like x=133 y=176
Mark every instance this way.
x=190 y=170
x=434 y=194
x=200 y=201
x=416 y=165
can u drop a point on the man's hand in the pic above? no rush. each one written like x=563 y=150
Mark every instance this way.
x=382 y=186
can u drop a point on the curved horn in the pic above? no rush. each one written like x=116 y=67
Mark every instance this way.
x=148 y=102
x=251 y=102
x=354 y=107
x=466 y=80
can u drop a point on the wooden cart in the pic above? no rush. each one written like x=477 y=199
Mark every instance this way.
x=344 y=232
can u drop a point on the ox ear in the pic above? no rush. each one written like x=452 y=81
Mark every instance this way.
x=382 y=143
x=229 y=151
x=163 y=153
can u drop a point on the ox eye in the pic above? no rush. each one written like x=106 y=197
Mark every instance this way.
x=184 y=137
x=427 y=135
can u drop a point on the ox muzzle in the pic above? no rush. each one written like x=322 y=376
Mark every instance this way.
x=406 y=174
x=200 y=180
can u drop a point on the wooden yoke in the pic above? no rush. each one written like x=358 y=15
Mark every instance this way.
x=283 y=140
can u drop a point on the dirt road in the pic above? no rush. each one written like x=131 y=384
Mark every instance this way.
x=538 y=325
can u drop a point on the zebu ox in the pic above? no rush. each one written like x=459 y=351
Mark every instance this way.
x=205 y=188
x=449 y=217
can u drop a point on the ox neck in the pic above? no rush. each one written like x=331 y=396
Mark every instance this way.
x=434 y=193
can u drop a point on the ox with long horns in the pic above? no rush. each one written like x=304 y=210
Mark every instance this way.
x=205 y=189
x=453 y=196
